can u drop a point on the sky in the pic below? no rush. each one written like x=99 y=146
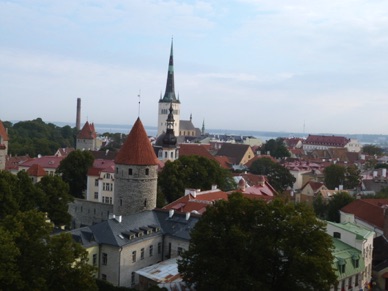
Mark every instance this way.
x=265 y=65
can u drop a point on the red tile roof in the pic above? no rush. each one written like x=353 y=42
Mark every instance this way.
x=339 y=141
x=188 y=149
x=137 y=149
x=3 y=132
x=12 y=163
x=87 y=132
x=368 y=210
x=36 y=171
x=315 y=186
x=46 y=162
x=101 y=165
x=197 y=202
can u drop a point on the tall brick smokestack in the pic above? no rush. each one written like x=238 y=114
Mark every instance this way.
x=78 y=118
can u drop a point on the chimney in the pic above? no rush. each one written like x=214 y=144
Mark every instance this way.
x=78 y=118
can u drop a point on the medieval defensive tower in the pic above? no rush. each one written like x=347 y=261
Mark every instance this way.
x=136 y=174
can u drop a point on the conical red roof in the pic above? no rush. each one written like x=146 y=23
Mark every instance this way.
x=137 y=149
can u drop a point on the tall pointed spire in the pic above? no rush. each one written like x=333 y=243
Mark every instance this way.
x=169 y=95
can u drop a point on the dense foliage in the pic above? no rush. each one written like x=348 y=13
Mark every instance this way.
x=336 y=175
x=331 y=210
x=276 y=148
x=244 y=244
x=35 y=137
x=372 y=150
x=192 y=172
x=278 y=176
x=31 y=259
x=74 y=169
x=50 y=195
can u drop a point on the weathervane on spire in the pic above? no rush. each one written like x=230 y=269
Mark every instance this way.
x=139 y=103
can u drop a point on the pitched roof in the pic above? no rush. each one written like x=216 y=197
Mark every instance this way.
x=3 y=132
x=344 y=254
x=87 y=132
x=315 y=186
x=36 y=171
x=197 y=202
x=188 y=149
x=233 y=151
x=137 y=149
x=101 y=165
x=326 y=140
x=186 y=125
x=46 y=162
x=368 y=210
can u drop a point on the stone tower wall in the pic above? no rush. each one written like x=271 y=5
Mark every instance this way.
x=3 y=154
x=134 y=192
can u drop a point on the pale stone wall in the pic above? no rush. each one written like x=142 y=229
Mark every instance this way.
x=86 y=144
x=163 y=114
x=135 y=189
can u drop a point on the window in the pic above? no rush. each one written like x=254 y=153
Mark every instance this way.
x=95 y=195
x=130 y=172
x=103 y=277
x=108 y=176
x=142 y=254
x=350 y=283
x=159 y=248
x=151 y=250
x=94 y=259
x=121 y=202
x=356 y=280
x=96 y=182
x=336 y=235
x=147 y=171
x=104 y=259
x=133 y=256
x=180 y=251
x=133 y=278
x=117 y=170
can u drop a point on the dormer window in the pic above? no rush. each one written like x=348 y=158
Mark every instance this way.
x=341 y=265
x=356 y=260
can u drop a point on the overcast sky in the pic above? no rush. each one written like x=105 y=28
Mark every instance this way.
x=272 y=65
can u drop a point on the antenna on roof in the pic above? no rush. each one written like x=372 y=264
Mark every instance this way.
x=139 y=103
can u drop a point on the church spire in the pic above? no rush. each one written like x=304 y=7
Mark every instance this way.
x=169 y=95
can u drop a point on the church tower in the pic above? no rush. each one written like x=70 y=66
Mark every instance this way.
x=3 y=146
x=166 y=144
x=168 y=99
x=135 y=174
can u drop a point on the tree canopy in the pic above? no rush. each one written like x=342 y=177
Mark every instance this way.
x=276 y=148
x=50 y=195
x=331 y=210
x=192 y=172
x=35 y=137
x=243 y=244
x=74 y=169
x=278 y=176
x=34 y=260
x=372 y=150
x=336 y=175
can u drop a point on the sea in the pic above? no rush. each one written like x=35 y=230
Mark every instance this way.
x=377 y=139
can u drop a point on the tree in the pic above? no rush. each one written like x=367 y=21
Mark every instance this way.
x=192 y=172
x=372 y=150
x=278 y=176
x=276 y=148
x=243 y=244
x=336 y=175
x=73 y=170
x=338 y=201
x=39 y=261
x=56 y=200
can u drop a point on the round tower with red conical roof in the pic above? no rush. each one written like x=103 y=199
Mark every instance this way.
x=136 y=174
